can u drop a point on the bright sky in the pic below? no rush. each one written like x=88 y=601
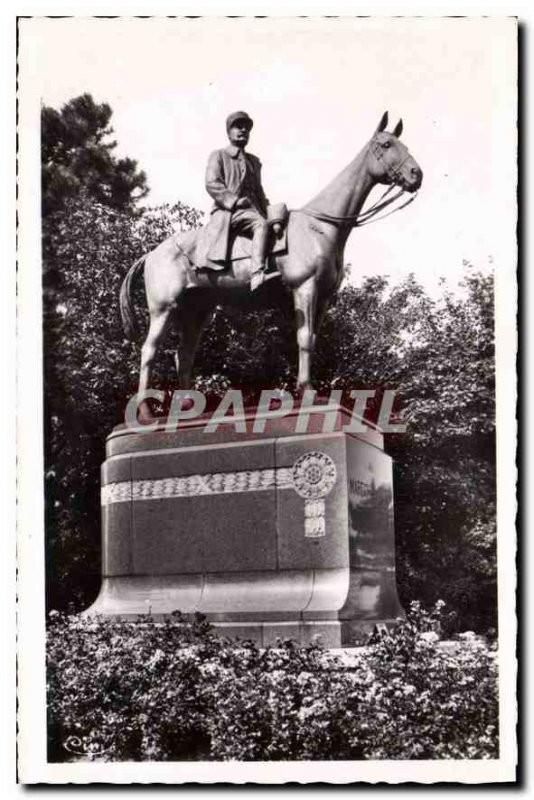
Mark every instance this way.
x=316 y=89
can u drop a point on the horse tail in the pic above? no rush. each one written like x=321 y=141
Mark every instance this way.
x=129 y=323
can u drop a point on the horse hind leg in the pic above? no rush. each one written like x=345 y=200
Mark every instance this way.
x=159 y=324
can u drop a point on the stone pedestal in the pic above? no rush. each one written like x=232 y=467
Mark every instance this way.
x=272 y=534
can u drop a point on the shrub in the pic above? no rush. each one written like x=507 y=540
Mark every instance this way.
x=175 y=691
x=125 y=690
x=429 y=702
x=287 y=702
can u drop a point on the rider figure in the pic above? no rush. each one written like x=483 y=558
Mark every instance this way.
x=233 y=179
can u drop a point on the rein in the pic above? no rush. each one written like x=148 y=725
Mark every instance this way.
x=370 y=214
x=365 y=217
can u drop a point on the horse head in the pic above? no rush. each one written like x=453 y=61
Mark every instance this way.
x=389 y=160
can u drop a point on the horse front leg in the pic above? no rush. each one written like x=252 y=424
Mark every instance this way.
x=191 y=326
x=305 y=299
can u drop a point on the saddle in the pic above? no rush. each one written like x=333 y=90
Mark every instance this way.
x=195 y=244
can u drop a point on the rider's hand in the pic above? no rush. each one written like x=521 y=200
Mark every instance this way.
x=243 y=202
x=277 y=228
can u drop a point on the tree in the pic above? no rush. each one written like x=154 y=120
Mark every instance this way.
x=77 y=157
x=90 y=369
x=439 y=356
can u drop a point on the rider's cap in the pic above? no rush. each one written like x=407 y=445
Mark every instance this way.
x=238 y=115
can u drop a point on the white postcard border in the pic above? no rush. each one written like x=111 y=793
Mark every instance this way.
x=32 y=711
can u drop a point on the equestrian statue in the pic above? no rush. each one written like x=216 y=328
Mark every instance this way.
x=248 y=243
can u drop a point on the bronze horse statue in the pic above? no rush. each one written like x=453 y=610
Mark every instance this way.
x=311 y=269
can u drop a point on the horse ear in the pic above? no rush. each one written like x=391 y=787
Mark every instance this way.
x=398 y=129
x=383 y=122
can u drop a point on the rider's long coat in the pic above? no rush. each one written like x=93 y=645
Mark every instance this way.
x=225 y=175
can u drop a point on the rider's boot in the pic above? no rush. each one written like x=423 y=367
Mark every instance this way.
x=260 y=242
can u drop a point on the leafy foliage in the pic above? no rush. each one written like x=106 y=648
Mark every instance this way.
x=90 y=371
x=77 y=157
x=427 y=700
x=174 y=691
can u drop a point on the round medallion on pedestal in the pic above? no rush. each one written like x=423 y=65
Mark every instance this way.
x=314 y=475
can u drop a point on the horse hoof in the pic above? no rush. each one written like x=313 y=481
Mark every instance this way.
x=187 y=403
x=144 y=414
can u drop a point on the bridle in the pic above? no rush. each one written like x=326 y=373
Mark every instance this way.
x=370 y=214
x=393 y=172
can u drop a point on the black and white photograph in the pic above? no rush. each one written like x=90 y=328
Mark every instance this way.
x=267 y=337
